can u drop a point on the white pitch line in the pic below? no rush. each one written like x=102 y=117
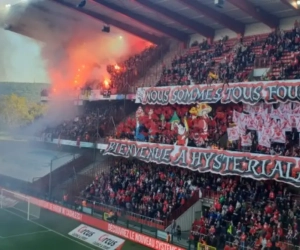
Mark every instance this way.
x=26 y=234
x=38 y=224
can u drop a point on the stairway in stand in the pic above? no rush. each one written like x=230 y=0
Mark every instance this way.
x=154 y=73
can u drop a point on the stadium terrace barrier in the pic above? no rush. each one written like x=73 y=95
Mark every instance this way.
x=123 y=232
x=97 y=95
x=101 y=146
x=212 y=195
x=182 y=209
x=147 y=221
x=94 y=95
x=103 y=208
x=281 y=245
x=158 y=224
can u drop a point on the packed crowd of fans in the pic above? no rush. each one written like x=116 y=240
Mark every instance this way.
x=248 y=214
x=266 y=129
x=128 y=72
x=151 y=190
x=200 y=66
x=281 y=49
x=223 y=61
x=226 y=61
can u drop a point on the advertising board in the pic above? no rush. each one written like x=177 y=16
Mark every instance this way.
x=125 y=233
x=97 y=238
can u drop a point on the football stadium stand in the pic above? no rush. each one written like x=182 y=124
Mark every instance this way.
x=235 y=97
x=245 y=213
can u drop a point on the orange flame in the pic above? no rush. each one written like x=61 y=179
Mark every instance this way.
x=106 y=83
x=80 y=56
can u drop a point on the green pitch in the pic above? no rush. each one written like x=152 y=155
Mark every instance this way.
x=49 y=232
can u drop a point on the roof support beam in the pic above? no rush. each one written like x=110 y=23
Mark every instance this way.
x=293 y=5
x=123 y=26
x=256 y=12
x=221 y=18
x=180 y=36
x=187 y=22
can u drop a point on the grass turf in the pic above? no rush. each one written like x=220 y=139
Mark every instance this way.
x=49 y=232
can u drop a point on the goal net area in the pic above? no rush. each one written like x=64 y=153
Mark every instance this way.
x=19 y=204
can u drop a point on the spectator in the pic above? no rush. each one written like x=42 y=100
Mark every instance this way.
x=178 y=233
x=112 y=216
x=259 y=221
x=227 y=61
x=150 y=190
x=173 y=227
x=168 y=237
x=252 y=213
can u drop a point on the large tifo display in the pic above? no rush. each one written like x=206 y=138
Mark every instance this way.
x=256 y=166
x=97 y=238
x=248 y=92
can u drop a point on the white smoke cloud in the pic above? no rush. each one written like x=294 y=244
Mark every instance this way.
x=70 y=40
x=20 y=59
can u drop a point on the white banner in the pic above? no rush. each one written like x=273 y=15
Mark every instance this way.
x=233 y=134
x=275 y=167
x=96 y=237
x=246 y=92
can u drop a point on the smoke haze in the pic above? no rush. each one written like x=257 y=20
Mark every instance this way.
x=73 y=50
x=78 y=51
x=20 y=59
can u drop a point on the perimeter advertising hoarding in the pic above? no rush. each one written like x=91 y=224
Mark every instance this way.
x=103 y=225
x=98 y=95
x=97 y=238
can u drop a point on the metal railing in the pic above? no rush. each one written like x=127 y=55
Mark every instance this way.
x=102 y=167
x=151 y=222
x=211 y=195
x=182 y=209
x=257 y=246
x=283 y=244
x=185 y=242
x=135 y=219
x=135 y=225
x=138 y=218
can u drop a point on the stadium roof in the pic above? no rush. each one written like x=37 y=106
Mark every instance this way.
x=154 y=19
